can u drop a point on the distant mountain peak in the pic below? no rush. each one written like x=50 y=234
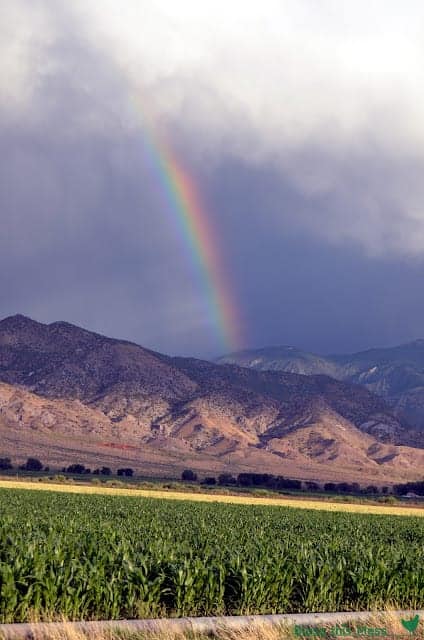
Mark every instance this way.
x=17 y=317
x=18 y=321
x=394 y=373
x=61 y=323
x=24 y=327
x=419 y=342
x=67 y=327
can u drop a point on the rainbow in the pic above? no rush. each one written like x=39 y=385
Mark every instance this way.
x=193 y=223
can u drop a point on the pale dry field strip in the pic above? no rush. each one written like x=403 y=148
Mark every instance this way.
x=230 y=499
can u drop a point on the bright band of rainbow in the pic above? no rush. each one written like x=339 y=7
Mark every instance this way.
x=193 y=222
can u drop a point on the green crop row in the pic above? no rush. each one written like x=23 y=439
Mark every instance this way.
x=102 y=557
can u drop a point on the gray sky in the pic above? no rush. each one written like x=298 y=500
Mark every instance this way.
x=299 y=121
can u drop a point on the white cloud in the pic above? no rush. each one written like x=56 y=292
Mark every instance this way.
x=294 y=70
x=26 y=29
x=269 y=81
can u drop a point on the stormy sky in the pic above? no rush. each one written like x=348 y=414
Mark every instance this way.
x=300 y=122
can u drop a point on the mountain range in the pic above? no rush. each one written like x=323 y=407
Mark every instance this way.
x=395 y=373
x=70 y=395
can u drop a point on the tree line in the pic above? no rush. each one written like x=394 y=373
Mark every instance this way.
x=243 y=480
x=33 y=464
x=273 y=482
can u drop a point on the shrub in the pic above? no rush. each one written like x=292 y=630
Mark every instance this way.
x=146 y=485
x=170 y=485
x=115 y=483
x=388 y=499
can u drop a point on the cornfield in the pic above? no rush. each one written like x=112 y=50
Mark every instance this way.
x=100 y=557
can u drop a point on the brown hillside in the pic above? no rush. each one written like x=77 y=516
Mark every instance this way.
x=73 y=395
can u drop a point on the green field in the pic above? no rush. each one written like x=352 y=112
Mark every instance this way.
x=101 y=557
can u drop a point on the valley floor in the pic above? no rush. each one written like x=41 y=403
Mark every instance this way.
x=299 y=503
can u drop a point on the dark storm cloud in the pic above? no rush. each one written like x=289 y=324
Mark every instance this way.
x=85 y=230
x=86 y=239
x=311 y=174
x=296 y=285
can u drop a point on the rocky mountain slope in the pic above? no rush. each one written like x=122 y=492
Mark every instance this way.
x=75 y=395
x=396 y=374
x=283 y=358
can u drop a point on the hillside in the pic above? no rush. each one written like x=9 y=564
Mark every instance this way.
x=396 y=374
x=73 y=395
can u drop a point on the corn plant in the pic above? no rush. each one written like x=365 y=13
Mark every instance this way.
x=97 y=557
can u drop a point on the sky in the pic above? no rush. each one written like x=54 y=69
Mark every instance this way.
x=299 y=123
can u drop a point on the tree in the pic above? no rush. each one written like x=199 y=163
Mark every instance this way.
x=415 y=487
x=76 y=468
x=372 y=489
x=330 y=486
x=280 y=482
x=188 y=475
x=128 y=472
x=257 y=480
x=344 y=487
x=312 y=486
x=209 y=480
x=5 y=464
x=226 y=478
x=105 y=471
x=246 y=479
x=32 y=464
